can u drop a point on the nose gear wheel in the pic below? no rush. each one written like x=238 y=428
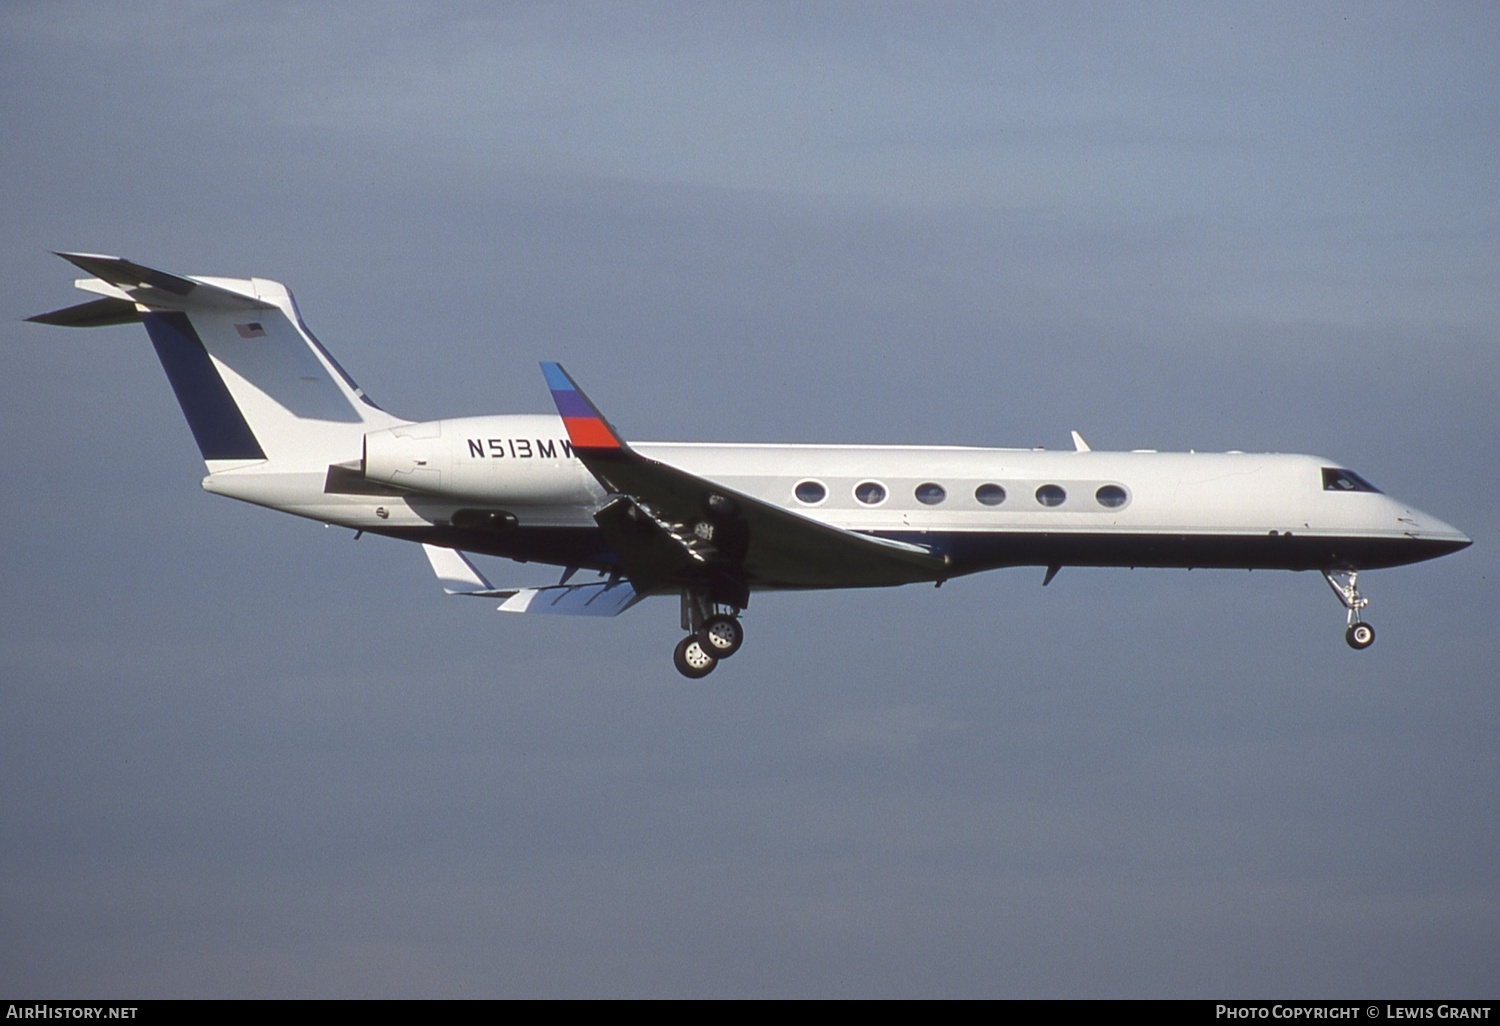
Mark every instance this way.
x=1344 y=583
x=1360 y=635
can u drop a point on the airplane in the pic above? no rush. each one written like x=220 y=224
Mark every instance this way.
x=280 y=424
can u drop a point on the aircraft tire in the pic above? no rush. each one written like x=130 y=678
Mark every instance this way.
x=1360 y=636
x=692 y=660
x=721 y=636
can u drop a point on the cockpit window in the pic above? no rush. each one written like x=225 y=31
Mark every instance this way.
x=1338 y=480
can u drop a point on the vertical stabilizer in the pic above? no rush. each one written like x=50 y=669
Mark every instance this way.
x=252 y=381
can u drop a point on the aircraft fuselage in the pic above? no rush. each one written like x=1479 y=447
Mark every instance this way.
x=981 y=508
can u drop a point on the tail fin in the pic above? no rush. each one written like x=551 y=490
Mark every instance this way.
x=253 y=382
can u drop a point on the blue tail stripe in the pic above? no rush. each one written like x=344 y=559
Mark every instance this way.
x=557 y=378
x=217 y=424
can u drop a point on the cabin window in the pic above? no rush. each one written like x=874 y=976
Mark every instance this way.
x=1111 y=496
x=810 y=492
x=930 y=494
x=1051 y=495
x=1338 y=480
x=990 y=494
x=871 y=493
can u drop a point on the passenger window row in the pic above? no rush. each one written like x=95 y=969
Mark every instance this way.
x=872 y=493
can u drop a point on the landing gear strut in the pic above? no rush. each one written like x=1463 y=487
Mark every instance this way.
x=714 y=633
x=1359 y=635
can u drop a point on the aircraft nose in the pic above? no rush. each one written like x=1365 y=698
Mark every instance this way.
x=1456 y=542
x=1436 y=535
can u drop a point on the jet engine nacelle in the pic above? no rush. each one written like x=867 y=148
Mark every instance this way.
x=515 y=460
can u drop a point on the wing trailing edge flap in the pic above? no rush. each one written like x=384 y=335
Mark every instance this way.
x=712 y=525
x=458 y=576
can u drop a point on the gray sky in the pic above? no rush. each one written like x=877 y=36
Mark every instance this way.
x=245 y=756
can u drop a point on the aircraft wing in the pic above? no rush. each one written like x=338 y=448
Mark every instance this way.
x=602 y=598
x=669 y=527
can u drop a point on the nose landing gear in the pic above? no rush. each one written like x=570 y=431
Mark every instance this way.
x=1359 y=634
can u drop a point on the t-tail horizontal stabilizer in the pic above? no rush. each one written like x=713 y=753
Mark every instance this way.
x=129 y=288
x=459 y=577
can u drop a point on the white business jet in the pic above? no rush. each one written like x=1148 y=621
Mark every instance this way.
x=280 y=424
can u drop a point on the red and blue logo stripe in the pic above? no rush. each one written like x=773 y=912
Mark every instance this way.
x=587 y=428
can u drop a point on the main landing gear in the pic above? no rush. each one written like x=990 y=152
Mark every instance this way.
x=692 y=660
x=1360 y=635
x=714 y=633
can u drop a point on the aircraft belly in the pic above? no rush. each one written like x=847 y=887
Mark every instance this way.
x=582 y=547
x=972 y=552
x=975 y=551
